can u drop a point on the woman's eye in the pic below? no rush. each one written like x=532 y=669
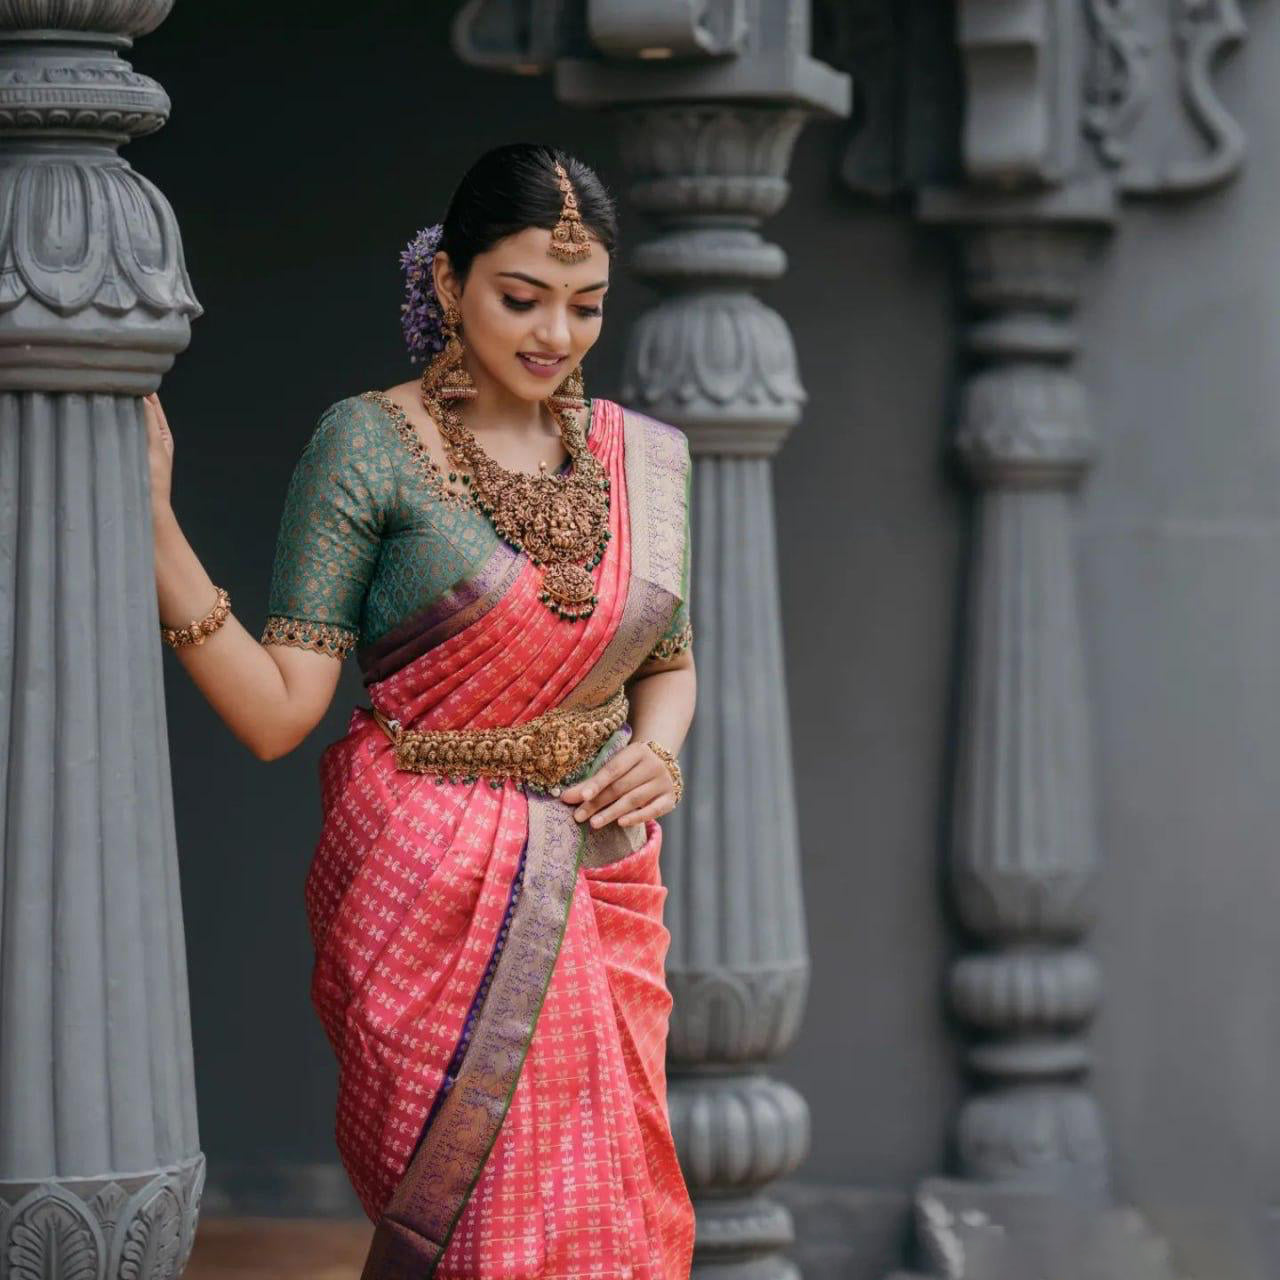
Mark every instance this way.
x=517 y=304
x=591 y=311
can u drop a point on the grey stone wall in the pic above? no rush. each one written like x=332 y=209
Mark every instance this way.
x=1180 y=554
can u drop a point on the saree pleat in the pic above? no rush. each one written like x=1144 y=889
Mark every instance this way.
x=489 y=973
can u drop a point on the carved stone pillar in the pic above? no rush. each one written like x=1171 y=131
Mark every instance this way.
x=708 y=167
x=715 y=360
x=100 y=1167
x=709 y=99
x=1065 y=108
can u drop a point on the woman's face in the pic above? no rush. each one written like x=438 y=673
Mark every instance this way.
x=528 y=318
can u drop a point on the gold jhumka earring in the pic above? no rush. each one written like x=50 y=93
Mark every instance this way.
x=560 y=521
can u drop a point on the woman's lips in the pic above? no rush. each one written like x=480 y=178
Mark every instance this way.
x=541 y=370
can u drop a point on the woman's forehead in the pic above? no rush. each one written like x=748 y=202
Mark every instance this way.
x=527 y=253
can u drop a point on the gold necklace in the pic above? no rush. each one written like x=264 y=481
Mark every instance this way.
x=560 y=521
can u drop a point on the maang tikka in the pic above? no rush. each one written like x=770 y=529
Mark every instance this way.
x=569 y=240
x=561 y=520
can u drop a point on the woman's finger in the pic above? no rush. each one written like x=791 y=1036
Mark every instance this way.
x=157 y=424
x=591 y=787
x=654 y=809
x=619 y=786
x=633 y=799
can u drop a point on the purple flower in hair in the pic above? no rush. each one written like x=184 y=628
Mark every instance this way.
x=421 y=316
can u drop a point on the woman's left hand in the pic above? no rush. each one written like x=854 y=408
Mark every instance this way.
x=632 y=787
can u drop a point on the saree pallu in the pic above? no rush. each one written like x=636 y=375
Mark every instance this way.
x=488 y=971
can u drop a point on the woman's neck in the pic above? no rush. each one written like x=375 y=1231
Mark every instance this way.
x=496 y=409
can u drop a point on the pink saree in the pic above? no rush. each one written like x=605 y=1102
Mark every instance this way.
x=488 y=971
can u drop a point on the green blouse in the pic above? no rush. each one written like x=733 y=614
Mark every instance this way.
x=369 y=537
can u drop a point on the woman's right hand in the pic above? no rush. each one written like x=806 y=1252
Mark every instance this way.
x=159 y=451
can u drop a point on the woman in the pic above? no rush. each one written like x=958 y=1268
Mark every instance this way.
x=510 y=564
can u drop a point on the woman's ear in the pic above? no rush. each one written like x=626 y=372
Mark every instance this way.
x=445 y=280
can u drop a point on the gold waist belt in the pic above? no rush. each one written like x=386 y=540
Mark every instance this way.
x=543 y=753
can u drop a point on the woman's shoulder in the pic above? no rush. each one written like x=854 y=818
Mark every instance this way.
x=355 y=422
x=663 y=440
x=350 y=443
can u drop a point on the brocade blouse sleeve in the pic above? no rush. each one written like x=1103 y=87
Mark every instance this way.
x=330 y=533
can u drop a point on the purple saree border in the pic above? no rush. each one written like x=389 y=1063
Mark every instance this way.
x=414 y=1231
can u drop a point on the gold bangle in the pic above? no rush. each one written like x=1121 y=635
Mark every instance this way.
x=673 y=766
x=197 y=631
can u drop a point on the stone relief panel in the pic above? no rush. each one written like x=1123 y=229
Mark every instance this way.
x=1151 y=106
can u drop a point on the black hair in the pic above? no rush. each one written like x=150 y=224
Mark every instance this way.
x=513 y=187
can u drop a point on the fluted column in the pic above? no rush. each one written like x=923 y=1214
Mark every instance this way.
x=1024 y=849
x=100 y=1167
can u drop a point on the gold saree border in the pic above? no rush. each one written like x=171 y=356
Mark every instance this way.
x=657 y=468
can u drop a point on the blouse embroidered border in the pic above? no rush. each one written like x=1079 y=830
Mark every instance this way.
x=428 y=469
x=670 y=646
x=323 y=637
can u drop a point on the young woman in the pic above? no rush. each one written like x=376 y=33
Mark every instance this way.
x=509 y=562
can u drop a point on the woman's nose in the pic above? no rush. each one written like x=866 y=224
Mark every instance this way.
x=555 y=332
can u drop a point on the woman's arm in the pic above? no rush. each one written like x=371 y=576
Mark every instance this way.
x=635 y=784
x=271 y=696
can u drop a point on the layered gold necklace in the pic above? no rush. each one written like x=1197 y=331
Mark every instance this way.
x=560 y=520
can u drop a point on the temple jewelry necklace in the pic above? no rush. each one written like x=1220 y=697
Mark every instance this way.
x=561 y=522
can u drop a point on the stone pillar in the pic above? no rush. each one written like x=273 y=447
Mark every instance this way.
x=707 y=144
x=100 y=1167
x=1024 y=848
x=716 y=361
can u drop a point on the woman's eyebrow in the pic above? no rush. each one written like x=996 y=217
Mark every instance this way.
x=542 y=284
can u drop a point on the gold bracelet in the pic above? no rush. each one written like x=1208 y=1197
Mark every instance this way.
x=196 y=632
x=673 y=766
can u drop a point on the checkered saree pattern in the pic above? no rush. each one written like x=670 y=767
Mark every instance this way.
x=406 y=898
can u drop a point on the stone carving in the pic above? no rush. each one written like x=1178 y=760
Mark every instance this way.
x=114 y=17
x=86 y=97
x=721 y=357
x=713 y=359
x=113 y=254
x=1024 y=857
x=140 y=1227
x=739 y=1134
x=115 y=245
x=1030 y=991
x=737 y=1016
x=51 y=1234
x=1019 y=125
x=686 y=29
x=1151 y=107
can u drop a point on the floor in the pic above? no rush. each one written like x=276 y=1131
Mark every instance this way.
x=278 y=1249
